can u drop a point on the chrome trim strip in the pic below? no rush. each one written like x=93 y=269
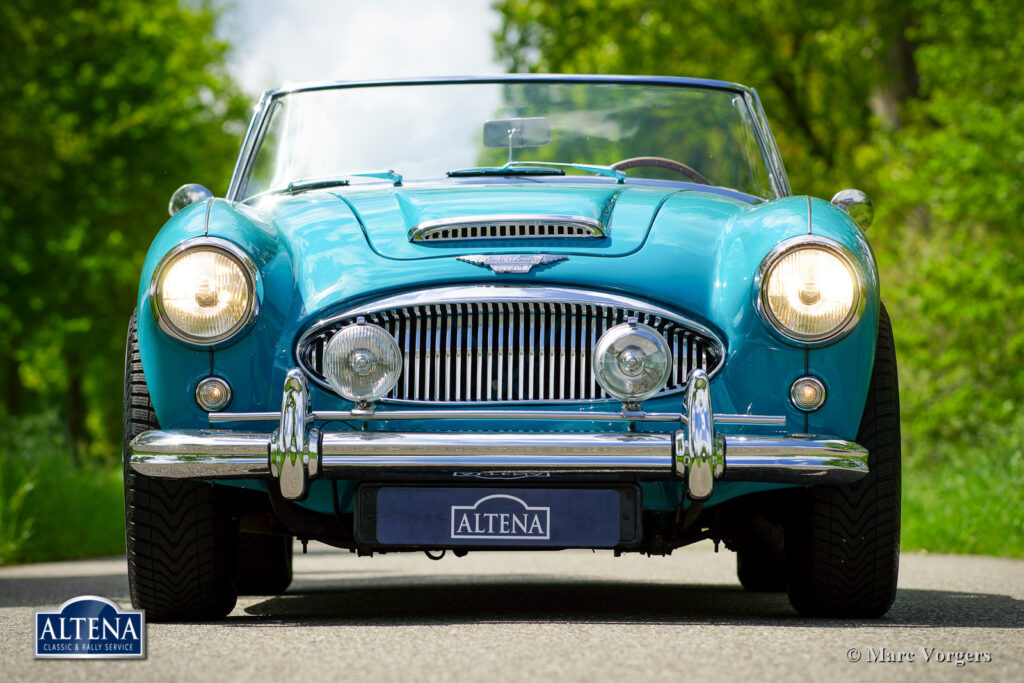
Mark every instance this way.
x=250 y=144
x=482 y=298
x=424 y=230
x=230 y=455
x=766 y=143
x=593 y=416
x=456 y=445
x=201 y=454
x=235 y=253
x=794 y=460
x=801 y=241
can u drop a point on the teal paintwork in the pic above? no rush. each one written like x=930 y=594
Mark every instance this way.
x=690 y=248
x=627 y=211
x=693 y=251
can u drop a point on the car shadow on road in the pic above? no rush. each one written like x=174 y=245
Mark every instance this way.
x=433 y=600
x=28 y=591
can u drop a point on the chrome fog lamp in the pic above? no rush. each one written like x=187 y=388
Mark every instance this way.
x=632 y=362
x=811 y=290
x=362 y=362
x=213 y=394
x=204 y=292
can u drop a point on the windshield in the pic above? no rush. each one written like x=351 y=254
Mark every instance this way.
x=429 y=131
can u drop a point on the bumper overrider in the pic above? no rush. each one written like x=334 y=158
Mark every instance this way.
x=298 y=451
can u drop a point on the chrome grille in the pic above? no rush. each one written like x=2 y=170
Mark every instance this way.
x=506 y=227
x=508 y=351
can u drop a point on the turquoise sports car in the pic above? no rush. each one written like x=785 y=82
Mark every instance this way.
x=511 y=313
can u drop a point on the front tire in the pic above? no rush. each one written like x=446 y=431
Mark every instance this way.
x=179 y=536
x=843 y=542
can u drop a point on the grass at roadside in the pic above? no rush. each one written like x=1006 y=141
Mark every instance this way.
x=966 y=498
x=50 y=507
x=956 y=498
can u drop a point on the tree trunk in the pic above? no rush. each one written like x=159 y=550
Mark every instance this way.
x=74 y=412
x=901 y=82
x=14 y=392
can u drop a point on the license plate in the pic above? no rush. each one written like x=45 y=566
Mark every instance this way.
x=437 y=517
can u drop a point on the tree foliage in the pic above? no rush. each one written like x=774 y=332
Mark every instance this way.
x=108 y=106
x=920 y=104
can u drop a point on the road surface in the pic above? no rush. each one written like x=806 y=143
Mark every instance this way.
x=541 y=616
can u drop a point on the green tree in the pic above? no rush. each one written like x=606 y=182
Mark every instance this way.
x=917 y=103
x=108 y=106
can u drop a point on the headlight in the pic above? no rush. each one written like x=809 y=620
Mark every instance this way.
x=204 y=292
x=811 y=290
x=362 y=362
x=632 y=362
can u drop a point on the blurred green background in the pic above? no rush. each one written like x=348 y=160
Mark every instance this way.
x=106 y=107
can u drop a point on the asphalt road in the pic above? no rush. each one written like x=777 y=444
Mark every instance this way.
x=567 y=615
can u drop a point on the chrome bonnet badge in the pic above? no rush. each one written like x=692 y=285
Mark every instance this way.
x=511 y=263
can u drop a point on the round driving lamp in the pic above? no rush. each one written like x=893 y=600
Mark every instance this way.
x=204 y=292
x=632 y=362
x=362 y=362
x=811 y=290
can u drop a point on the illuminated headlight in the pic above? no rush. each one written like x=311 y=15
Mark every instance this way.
x=632 y=362
x=204 y=294
x=811 y=291
x=362 y=362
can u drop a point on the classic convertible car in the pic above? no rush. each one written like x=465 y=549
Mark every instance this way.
x=511 y=313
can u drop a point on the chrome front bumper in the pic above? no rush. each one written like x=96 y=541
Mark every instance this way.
x=297 y=451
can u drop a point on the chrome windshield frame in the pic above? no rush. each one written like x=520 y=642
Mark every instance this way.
x=269 y=100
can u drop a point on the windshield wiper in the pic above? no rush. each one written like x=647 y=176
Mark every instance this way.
x=316 y=183
x=394 y=177
x=502 y=170
x=537 y=168
x=340 y=180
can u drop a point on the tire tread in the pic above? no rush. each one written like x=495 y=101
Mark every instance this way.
x=843 y=543
x=180 y=540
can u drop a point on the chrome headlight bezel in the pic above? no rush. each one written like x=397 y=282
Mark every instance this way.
x=226 y=248
x=834 y=248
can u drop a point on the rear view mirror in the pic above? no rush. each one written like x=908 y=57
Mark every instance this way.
x=517 y=133
x=857 y=204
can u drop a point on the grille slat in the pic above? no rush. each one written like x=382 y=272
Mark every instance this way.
x=500 y=376
x=561 y=351
x=490 y=345
x=509 y=352
x=428 y=355
x=573 y=318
